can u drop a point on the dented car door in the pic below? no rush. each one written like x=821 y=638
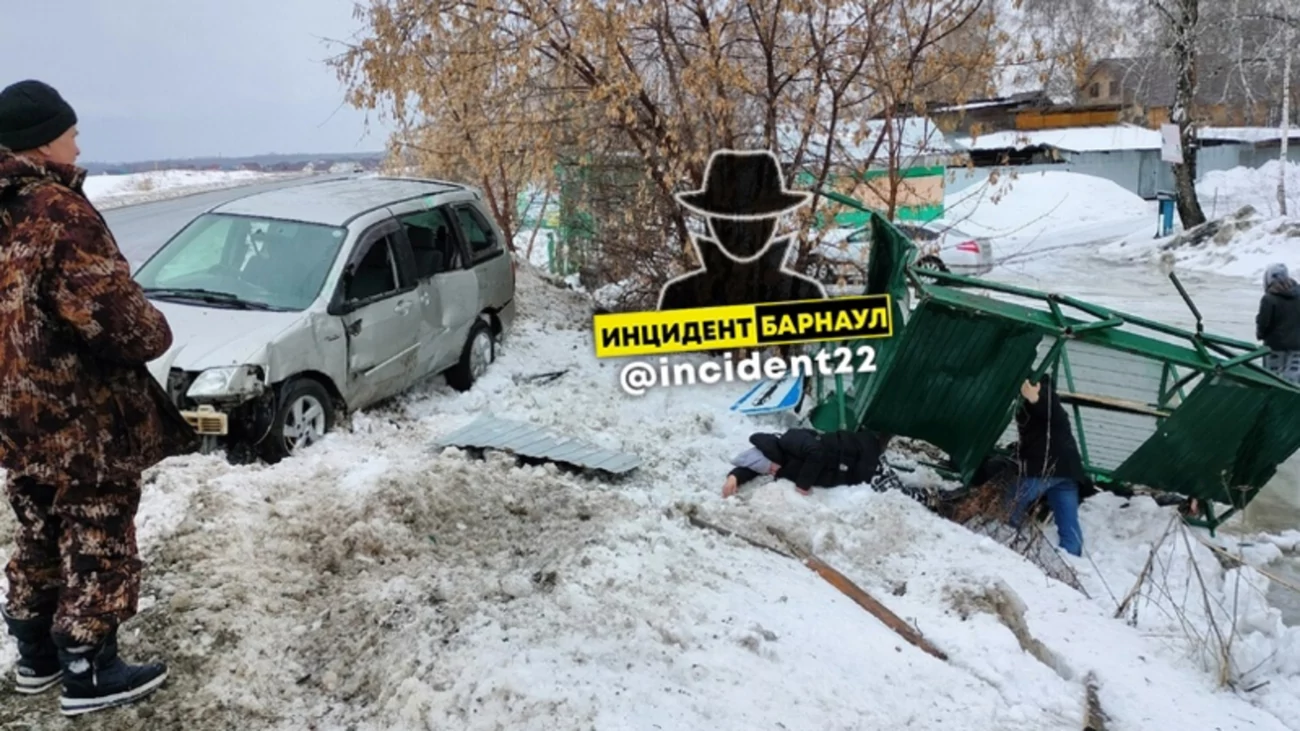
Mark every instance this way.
x=378 y=305
x=446 y=288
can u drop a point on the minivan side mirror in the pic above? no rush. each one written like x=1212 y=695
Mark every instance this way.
x=339 y=304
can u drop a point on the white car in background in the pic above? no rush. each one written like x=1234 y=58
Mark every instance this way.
x=947 y=248
x=841 y=260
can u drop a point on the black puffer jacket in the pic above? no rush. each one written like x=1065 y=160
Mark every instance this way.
x=1047 y=447
x=812 y=459
x=1278 y=322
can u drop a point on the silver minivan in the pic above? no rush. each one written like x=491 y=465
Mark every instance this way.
x=294 y=306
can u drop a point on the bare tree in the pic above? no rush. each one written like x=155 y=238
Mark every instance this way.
x=620 y=102
x=1258 y=37
x=1068 y=36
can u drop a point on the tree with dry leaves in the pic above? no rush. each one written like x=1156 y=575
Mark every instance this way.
x=619 y=104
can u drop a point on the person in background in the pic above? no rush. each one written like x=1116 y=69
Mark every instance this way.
x=1277 y=323
x=1050 y=464
x=81 y=417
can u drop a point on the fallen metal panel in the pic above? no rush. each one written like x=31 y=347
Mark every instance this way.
x=953 y=381
x=1222 y=444
x=530 y=440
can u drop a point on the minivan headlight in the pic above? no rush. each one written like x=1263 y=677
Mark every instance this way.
x=244 y=380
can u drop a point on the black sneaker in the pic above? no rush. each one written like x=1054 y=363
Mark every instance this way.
x=95 y=678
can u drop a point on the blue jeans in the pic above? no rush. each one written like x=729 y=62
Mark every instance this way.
x=1062 y=497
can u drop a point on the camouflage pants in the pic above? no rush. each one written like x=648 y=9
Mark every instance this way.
x=76 y=556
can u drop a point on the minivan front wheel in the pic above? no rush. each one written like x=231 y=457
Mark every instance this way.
x=480 y=352
x=304 y=416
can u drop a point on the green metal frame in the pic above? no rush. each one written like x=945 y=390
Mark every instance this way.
x=1185 y=454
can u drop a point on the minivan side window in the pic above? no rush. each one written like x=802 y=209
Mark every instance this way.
x=481 y=238
x=374 y=275
x=433 y=242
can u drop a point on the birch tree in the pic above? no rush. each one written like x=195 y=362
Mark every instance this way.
x=1181 y=20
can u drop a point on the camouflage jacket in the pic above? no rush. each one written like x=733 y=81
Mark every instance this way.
x=77 y=402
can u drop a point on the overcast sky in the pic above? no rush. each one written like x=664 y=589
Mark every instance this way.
x=189 y=78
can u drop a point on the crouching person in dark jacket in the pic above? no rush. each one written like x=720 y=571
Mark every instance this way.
x=1050 y=464
x=809 y=459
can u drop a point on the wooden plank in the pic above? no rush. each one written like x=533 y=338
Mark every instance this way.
x=858 y=595
x=1112 y=404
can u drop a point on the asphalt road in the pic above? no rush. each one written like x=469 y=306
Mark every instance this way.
x=142 y=229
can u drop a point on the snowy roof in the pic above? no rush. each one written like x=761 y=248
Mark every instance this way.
x=1073 y=139
x=1247 y=134
x=916 y=137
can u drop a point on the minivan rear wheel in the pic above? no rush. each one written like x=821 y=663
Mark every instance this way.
x=480 y=352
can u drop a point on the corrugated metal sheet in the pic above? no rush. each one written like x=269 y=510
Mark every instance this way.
x=530 y=440
x=1222 y=444
x=953 y=381
x=1140 y=172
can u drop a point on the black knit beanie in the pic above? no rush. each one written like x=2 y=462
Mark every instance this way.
x=32 y=114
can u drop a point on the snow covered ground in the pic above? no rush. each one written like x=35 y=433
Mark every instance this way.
x=375 y=584
x=1246 y=231
x=115 y=191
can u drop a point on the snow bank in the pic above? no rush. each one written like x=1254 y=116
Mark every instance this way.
x=1224 y=192
x=1021 y=213
x=114 y=191
x=372 y=583
x=1029 y=212
x=1244 y=233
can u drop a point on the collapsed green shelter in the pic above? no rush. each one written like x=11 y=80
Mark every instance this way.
x=1152 y=405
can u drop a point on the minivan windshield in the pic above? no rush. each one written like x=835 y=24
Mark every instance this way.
x=243 y=262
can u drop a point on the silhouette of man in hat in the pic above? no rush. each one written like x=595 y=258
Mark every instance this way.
x=744 y=195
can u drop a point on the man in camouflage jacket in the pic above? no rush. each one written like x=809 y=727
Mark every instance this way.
x=81 y=417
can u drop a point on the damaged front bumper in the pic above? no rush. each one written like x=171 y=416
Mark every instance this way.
x=223 y=404
x=207 y=421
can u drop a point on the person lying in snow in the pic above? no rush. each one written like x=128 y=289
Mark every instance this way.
x=1049 y=462
x=809 y=459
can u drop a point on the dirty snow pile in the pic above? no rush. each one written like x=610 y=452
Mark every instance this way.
x=1247 y=235
x=114 y=191
x=377 y=583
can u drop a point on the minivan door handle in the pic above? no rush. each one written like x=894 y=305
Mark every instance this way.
x=403 y=307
